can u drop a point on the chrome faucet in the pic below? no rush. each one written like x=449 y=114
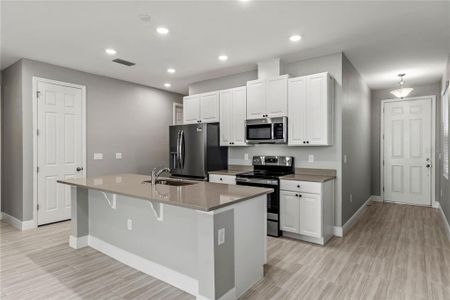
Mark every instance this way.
x=156 y=174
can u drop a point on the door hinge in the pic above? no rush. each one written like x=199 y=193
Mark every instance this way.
x=37 y=169
x=37 y=131
x=383 y=162
x=38 y=93
x=37 y=206
x=383 y=188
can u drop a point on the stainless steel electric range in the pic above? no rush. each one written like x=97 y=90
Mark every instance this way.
x=267 y=171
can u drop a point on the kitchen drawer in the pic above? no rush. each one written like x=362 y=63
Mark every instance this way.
x=301 y=186
x=227 y=179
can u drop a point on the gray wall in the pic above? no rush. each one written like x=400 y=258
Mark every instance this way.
x=324 y=157
x=12 y=192
x=445 y=198
x=121 y=117
x=356 y=174
x=376 y=97
x=222 y=83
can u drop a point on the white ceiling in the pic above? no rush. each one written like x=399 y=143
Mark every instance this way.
x=381 y=39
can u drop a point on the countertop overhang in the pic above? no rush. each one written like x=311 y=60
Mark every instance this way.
x=204 y=196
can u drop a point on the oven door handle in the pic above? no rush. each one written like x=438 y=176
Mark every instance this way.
x=257 y=181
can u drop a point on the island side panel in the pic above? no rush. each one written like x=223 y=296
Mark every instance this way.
x=80 y=217
x=161 y=243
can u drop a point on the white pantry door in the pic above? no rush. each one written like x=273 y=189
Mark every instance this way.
x=60 y=148
x=407 y=151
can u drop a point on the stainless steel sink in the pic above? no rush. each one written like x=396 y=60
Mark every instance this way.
x=170 y=182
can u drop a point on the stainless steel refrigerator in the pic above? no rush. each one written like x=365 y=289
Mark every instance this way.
x=195 y=150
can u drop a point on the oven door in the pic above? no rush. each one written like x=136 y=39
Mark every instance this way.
x=259 y=133
x=273 y=201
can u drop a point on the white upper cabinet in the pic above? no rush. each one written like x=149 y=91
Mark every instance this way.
x=226 y=111
x=267 y=97
x=276 y=97
x=239 y=114
x=310 y=102
x=201 y=108
x=256 y=99
x=191 y=109
x=209 y=107
x=232 y=117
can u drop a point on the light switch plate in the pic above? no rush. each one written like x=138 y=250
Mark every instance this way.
x=246 y=156
x=221 y=236
x=129 y=224
x=118 y=155
x=311 y=158
x=98 y=156
x=345 y=158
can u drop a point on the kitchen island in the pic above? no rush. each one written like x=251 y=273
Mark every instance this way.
x=205 y=238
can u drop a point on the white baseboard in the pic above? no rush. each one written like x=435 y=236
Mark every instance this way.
x=356 y=216
x=341 y=231
x=178 y=280
x=376 y=198
x=80 y=242
x=16 y=223
x=338 y=231
x=447 y=226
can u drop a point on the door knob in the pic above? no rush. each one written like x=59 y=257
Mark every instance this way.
x=428 y=165
x=79 y=169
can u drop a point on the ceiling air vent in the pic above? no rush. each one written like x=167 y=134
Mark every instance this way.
x=123 y=62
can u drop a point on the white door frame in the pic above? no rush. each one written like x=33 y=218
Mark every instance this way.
x=35 y=141
x=433 y=144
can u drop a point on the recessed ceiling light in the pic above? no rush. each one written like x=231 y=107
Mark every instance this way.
x=171 y=70
x=110 y=51
x=295 y=38
x=223 y=57
x=167 y=85
x=162 y=30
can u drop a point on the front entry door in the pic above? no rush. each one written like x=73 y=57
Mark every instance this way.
x=407 y=151
x=60 y=148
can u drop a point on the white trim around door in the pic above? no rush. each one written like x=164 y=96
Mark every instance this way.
x=433 y=144
x=36 y=80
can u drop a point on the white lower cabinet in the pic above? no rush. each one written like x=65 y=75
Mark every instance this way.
x=289 y=212
x=226 y=179
x=307 y=210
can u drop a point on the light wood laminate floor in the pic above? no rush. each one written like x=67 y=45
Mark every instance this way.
x=394 y=252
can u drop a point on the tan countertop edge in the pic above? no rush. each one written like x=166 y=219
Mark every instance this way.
x=262 y=191
x=233 y=170
x=308 y=177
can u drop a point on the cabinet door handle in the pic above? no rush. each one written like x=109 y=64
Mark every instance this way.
x=220 y=179
x=298 y=185
x=299 y=195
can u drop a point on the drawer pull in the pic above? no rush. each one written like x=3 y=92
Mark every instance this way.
x=298 y=185
x=220 y=179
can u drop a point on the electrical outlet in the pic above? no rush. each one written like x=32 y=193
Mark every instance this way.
x=98 y=156
x=118 y=155
x=351 y=198
x=311 y=158
x=130 y=224
x=246 y=156
x=220 y=236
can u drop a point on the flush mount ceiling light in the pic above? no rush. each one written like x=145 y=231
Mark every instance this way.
x=167 y=85
x=110 y=51
x=295 y=38
x=223 y=57
x=402 y=92
x=171 y=70
x=162 y=30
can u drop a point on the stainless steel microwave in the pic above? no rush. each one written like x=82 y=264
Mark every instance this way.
x=266 y=131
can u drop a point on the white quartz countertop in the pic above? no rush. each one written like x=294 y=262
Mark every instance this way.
x=201 y=195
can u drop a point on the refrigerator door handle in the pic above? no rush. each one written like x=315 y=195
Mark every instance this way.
x=178 y=157
x=182 y=153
